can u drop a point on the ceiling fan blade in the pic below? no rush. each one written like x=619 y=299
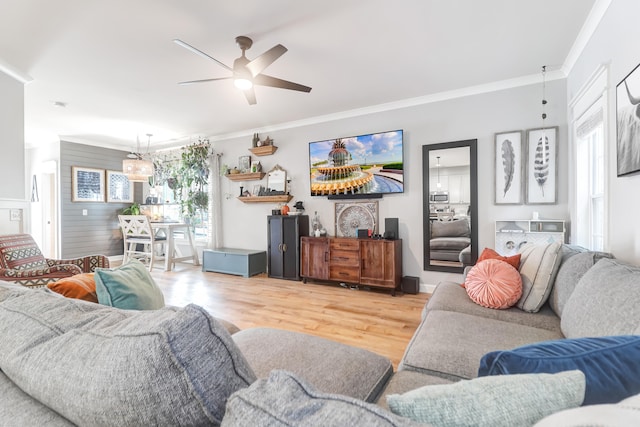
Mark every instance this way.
x=263 y=61
x=250 y=94
x=203 y=81
x=199 y=52
x=264 y=80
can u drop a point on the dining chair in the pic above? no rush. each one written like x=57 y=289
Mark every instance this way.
x=140 y=241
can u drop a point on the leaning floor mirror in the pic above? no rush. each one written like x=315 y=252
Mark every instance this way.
x=450 y=205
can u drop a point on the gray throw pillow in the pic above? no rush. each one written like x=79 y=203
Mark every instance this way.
x=571 y=271
x=504 y=400
x=97 y=365
x=282 y=400
x=606 y=301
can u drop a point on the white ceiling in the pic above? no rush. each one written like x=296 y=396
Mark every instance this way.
x=114 y=65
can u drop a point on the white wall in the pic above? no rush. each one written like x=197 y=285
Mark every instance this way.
x=13 y=204
x=615 y=42
x=478 y=116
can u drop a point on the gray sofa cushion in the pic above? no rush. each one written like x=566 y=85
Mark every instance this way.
x=450 y=345
x=458 y=228
x=450 y=296
x=571 y=271
x=99 y=365
x=330 y=366
x=449 y=243
x=283 y=400
x=19 y=409
x=606 y=301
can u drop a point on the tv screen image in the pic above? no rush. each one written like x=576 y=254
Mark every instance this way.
x=357 y=165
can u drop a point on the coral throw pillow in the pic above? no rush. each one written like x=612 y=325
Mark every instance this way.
x=494 y=283
x=488 y=253
x=81 y=286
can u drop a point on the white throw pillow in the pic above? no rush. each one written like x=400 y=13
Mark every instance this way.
x=539 y=265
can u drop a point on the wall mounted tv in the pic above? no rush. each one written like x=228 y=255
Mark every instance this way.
x=363 y=166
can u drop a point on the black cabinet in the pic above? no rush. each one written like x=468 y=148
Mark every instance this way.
x=283 y=252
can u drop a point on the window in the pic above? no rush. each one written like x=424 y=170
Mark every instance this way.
x=590 y=172
x=590 y=179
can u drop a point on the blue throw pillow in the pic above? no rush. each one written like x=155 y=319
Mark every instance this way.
x=611 y=365
x=129 y=286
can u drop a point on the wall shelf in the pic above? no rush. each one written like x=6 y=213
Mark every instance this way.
x=255 y=176
x=265 y=150
x=266 y=199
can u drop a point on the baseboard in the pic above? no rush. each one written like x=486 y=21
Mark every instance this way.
x=427 y=288
x=115 y=260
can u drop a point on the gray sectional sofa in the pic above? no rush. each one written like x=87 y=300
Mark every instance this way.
x=70 y=362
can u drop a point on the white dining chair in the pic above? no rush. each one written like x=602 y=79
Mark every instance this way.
x=140 y=241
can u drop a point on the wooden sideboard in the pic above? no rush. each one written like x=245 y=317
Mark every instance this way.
x=367 y=262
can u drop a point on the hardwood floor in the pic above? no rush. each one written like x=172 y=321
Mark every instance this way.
x=369 y=319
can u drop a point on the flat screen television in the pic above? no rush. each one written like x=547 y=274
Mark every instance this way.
x=357 y=166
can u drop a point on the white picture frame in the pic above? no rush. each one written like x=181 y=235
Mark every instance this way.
x=119 y=188
x=87 y=184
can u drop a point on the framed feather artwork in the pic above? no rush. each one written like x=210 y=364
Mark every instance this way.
x=541 y=177
x=508 y=168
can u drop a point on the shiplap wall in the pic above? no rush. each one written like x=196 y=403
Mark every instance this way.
x=98 y=231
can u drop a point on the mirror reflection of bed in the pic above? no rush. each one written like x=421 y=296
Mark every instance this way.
x=449 y=184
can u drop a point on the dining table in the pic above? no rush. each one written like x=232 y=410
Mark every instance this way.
x=173 y=254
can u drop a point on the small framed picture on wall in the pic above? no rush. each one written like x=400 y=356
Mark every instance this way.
x=541 y=178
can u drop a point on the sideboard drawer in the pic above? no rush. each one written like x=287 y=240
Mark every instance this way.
x=344 y=244
x=344 y=274
x=344 y=258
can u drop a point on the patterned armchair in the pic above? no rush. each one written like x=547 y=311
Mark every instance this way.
x=22 y=262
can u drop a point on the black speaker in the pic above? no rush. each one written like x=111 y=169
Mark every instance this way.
x=391 y=228
x=410 y=285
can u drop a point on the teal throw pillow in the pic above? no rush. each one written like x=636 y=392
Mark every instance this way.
x=611 y=365
x=506 y=400
x=129 y=286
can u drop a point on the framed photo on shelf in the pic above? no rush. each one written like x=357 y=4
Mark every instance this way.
x=244 y=164
x=87 y=184
x=541 y=177
x=119 y=188
x=256 y=190
x=628 y=123
x=508 y=168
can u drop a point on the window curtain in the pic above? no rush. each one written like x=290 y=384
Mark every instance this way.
x=215 y=202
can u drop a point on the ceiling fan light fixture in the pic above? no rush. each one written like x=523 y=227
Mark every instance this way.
x=243 y=83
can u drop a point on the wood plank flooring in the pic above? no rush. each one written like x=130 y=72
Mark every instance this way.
x=369 y=319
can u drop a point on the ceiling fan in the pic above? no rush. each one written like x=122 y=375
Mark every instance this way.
x=246 y=72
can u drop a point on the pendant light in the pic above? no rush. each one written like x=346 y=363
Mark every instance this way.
x=438 y=184
x=136 y=167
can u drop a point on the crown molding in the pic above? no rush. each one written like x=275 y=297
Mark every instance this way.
x=588 y=28
x=15 y=73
